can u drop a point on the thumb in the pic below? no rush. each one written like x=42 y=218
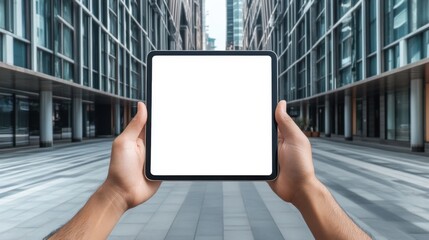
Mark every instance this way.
x=287 y=127
x=135 y=127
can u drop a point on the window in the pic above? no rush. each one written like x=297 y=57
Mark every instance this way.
x=2 y=13
x=22 y=10
x=346 y=41
x=135 y=32
x=357 y=59
x=423 y=15
x=372 y=25
x=135 y=79
x=391 y=58
x=6 y=120
x=64 y=35
x=95 y=57
x=67 y=70
x=398 y=111
x=350 y=48
x=415 y=48
x=103 y=62
x=396 y=20
x=67 y=11
x=95 y=8
x=426 y=44
x=320 y=68
x=44 y=62
x=20 y=54
x=301 y=39
x=85 y=39
x=301 y=83
x=67 y=42
x=1 y=47
x=112 y=59
x=6 y=14
x=58 y=67
x=320 y=19
x=402 y=114
x=121 y=22
x=44 y=23
x=343 y=6
x=372 y=66
x=85 y=45
x=121 y=71
x=135 y=9
x=86 y=3
x=113 y=23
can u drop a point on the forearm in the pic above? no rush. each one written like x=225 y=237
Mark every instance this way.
x=324 y=216
x=97 y=218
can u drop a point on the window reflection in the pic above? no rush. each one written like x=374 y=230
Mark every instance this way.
x=396 y=24
x=6 y=117
x=22 y=121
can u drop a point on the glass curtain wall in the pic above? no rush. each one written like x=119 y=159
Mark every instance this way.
x=44 y=36
x=22 y=121
x=350 y=49
x=1 y=47
x=3 y=13
x=398 y=111
x=64 y=43
x=6 y=120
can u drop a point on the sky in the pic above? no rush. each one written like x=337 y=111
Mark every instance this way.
x=216 y=21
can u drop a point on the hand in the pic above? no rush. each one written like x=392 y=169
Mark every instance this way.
x=126 y=172
x=296 y=169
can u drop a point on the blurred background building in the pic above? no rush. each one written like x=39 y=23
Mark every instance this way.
x=234 y=25
x=74 y=69
x=351 y=68
x=210 y=43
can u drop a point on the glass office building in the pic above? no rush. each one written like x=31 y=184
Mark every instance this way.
x=358 y=69
x=74 y=69
x=234 y=24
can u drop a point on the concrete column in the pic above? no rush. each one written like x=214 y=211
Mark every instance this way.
x=117 y=118
x=301 y=110
x=348 y=116
x=327 y=117
x=46 y=130
x=77 y=118
x=416 y=112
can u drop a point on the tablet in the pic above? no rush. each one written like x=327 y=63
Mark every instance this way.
x=211 y=115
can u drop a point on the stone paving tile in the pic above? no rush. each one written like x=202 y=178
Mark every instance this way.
x=384 y=192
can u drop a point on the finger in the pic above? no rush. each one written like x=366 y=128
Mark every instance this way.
x=135 y=127
x=290 y=132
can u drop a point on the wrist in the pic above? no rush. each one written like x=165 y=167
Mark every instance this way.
x=312 y=189
x=114 y=196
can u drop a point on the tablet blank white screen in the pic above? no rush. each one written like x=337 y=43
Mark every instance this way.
x=211 y=115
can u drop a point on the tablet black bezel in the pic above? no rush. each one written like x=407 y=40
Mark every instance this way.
x=274 y=97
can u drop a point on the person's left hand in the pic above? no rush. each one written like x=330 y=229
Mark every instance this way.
x=126 y=172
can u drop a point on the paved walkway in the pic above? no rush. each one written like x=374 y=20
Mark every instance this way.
x=387 y=193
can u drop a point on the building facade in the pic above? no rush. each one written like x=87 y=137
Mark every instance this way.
x=234 y=25
x=358 y=69
x=210 y=43
x=74 y=69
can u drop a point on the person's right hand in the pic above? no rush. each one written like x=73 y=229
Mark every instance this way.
x=296 y=169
